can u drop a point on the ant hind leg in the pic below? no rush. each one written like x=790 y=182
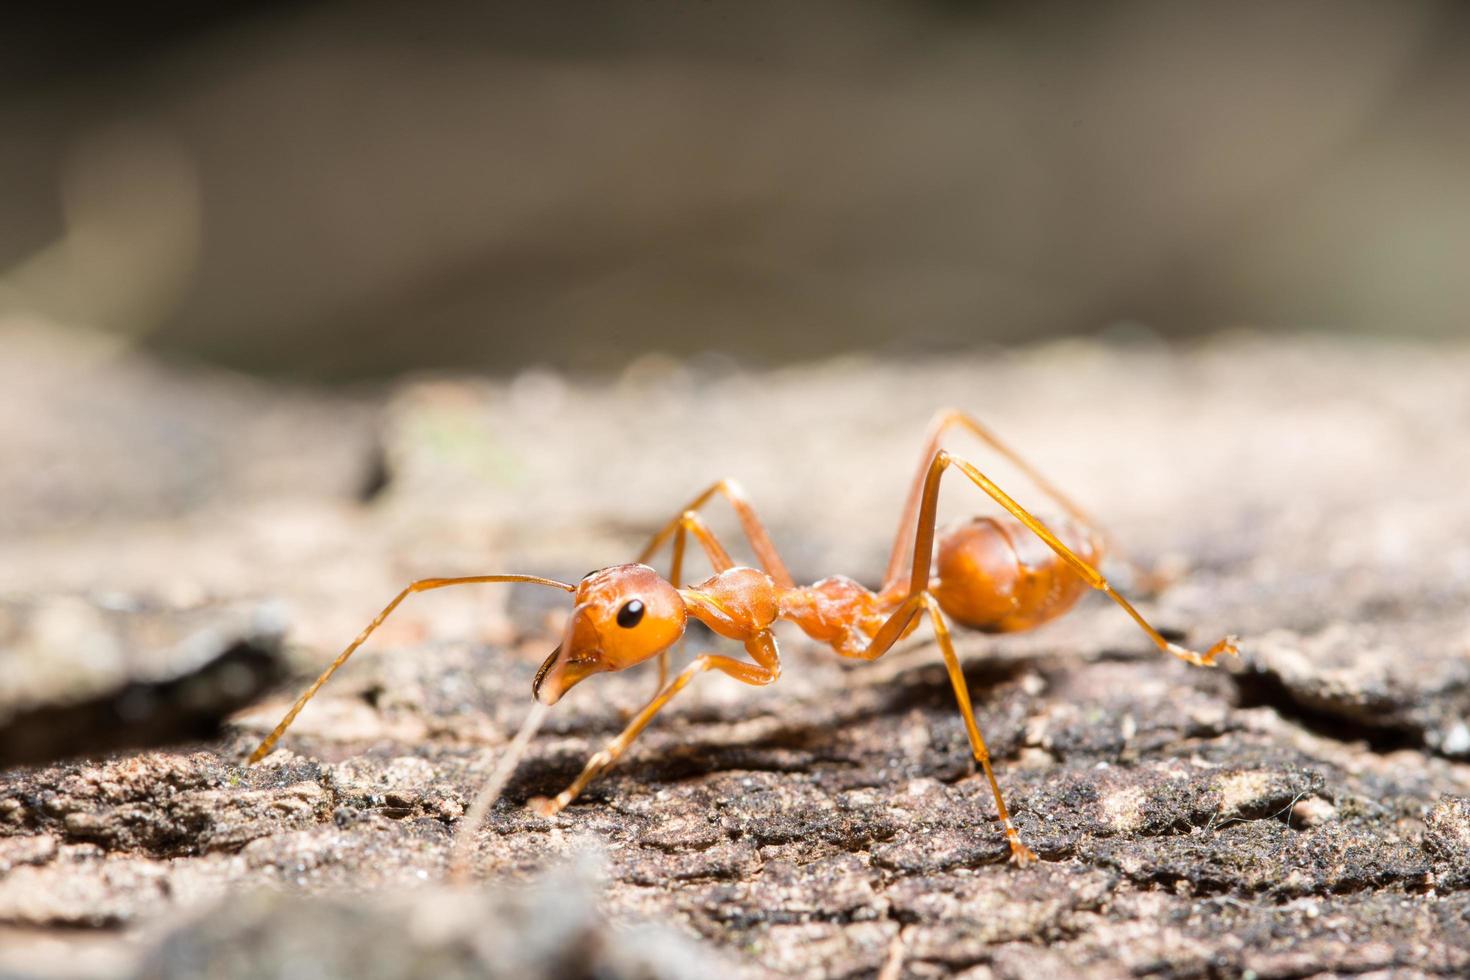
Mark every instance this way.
x=1150 y=580
x=924 y=547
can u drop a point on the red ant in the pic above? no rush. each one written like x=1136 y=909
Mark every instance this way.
x=984 y=575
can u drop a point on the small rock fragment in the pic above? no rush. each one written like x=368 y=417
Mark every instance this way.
x=1311 y=811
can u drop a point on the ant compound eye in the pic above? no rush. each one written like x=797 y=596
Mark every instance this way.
x=631 y=614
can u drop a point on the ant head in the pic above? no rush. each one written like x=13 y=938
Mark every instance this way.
x=623 y=616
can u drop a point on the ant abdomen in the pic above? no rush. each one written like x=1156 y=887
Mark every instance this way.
x=996 y=576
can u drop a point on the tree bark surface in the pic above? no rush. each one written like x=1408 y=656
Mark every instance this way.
x=1299 y=811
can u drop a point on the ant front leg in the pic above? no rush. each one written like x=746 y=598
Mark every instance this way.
x=767 y=668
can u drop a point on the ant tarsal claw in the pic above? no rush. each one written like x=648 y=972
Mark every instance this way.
x=1207 y=659
x=1021 y=855
x=1230 y=645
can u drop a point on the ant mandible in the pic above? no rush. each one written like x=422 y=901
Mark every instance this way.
x=985 y=574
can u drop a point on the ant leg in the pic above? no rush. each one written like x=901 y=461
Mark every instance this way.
x=767 y=668
x=924 y=548
x=755 y=531
x=897 y=625
x=689 y=523
x=423 y=585
x=942 y=423
x=1020 y=853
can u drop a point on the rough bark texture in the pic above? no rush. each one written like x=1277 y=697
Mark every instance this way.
x=1299 y=811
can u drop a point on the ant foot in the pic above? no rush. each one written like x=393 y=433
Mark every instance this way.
x=543 y=807
x=1021 y=855
x=1207 y=659
x=1229 y=644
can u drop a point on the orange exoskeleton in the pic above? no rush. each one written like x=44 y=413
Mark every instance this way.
x=996 y=574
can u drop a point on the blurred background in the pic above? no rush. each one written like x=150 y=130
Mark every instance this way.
x=346 y=190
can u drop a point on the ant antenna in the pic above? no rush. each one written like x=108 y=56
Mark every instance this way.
x=422 y=585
